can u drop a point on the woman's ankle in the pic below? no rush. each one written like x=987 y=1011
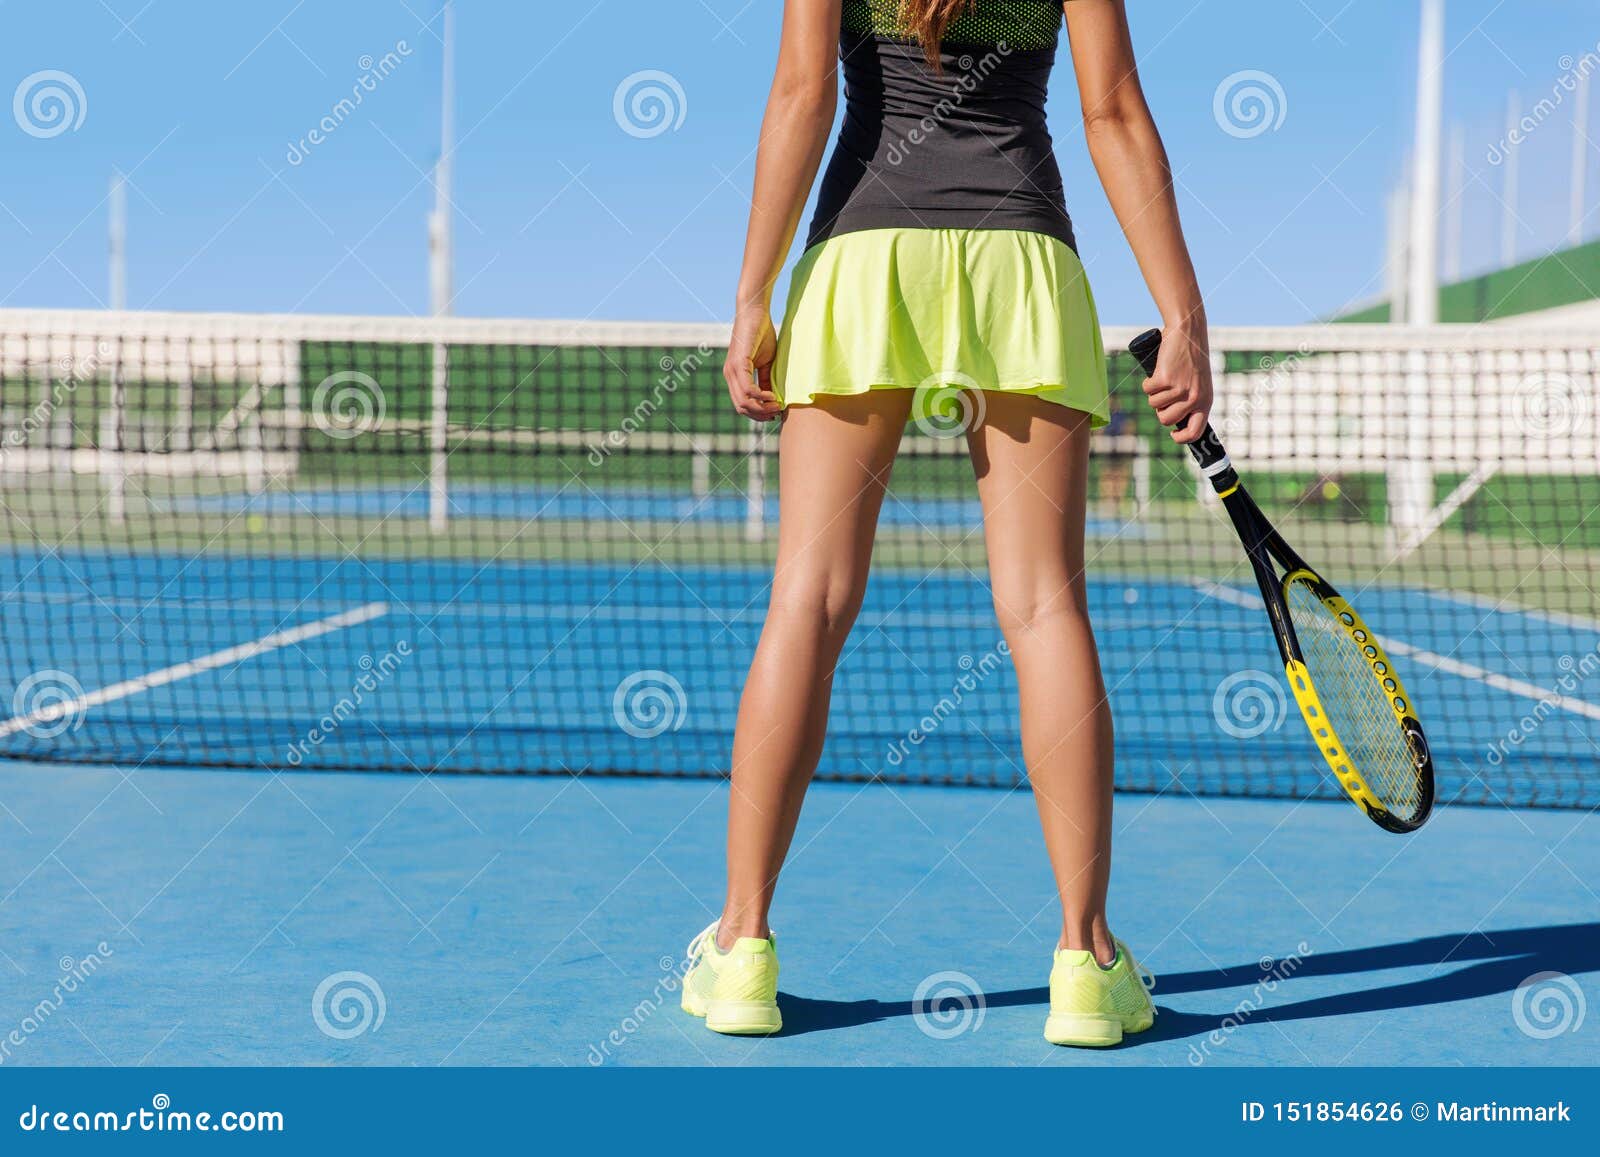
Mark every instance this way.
x=1091 y=935
x=736 y=925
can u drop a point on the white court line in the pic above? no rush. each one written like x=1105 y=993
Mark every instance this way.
x=1438 y=662
x=272 y=642
x=1505 y=606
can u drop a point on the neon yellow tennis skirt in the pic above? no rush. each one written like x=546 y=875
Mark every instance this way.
x=942 y=311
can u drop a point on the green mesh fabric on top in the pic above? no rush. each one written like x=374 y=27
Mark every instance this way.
x=1021 y=24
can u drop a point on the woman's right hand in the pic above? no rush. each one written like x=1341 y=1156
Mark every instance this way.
x=1180 y=389
x=748 y=371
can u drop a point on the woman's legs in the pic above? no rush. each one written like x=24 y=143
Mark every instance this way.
x=1032 y=461
x=834 y=462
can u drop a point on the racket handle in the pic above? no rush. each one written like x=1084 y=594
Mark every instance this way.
x=1207 y=451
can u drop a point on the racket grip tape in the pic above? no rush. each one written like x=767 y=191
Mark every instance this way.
x=1207 y=450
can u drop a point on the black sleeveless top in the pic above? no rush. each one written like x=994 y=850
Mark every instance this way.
x=967 y=148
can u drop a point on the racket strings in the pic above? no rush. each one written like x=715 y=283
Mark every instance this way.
x=1356 y=704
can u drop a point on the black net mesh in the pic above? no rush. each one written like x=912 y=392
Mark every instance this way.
x=389 y=544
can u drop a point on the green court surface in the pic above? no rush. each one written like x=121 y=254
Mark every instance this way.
x=177 y=917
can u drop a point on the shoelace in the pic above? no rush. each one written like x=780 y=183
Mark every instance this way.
x=1146 y=977
x=697 y=946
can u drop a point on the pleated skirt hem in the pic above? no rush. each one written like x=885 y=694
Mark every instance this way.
x=942 y=311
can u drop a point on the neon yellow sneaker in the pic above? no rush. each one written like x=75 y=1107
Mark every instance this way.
x=737 y=990
x=1091 y=1006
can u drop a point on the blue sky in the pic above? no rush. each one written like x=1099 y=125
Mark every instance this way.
x=561 y=213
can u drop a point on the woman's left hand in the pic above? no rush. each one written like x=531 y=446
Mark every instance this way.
x=748 y=371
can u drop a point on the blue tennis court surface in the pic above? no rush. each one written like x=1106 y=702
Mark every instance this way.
x=188 y=917
x=164 y=910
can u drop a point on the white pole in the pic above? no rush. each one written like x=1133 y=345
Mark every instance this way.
x=1508 y=195
x=113 y=432
x=118 y=250
x=442 y=266
x=755 y=506
x=1455 y=209
x=1580 y=160
x=1423 y=290
x=1399 y=207
x=441 y=271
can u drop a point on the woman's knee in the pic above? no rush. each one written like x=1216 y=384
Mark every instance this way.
x=1023 y=608
x=825 y=603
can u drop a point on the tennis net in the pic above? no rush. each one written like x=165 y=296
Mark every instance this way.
x=390 y=543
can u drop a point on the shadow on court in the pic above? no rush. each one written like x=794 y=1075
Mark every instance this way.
x=1503 y=960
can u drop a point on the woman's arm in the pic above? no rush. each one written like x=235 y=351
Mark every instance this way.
x=794 y=133
x=1132 y=163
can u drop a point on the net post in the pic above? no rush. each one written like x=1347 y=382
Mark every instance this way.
x=255 y=366
x=254 y=465
x=55 y=421
x=183 y=429
x=112 y=442
x=700 y=469
x=1141 y=482
x=438 y=439
x=1410 y=477
x=293 y=419
x=755 y=514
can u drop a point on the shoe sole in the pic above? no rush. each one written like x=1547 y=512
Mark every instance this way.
x=743 y=1017
x=735 y=1017
x=1085 y=1030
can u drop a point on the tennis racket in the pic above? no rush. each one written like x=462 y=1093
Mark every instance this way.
x=1359 y=714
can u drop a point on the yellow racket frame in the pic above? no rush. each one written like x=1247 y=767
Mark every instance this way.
x=1321 y=726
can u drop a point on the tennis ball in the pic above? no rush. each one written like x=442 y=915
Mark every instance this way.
x=1330 y=490
x=255 y=524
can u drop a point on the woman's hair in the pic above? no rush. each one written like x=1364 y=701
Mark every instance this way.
x=927 y=20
